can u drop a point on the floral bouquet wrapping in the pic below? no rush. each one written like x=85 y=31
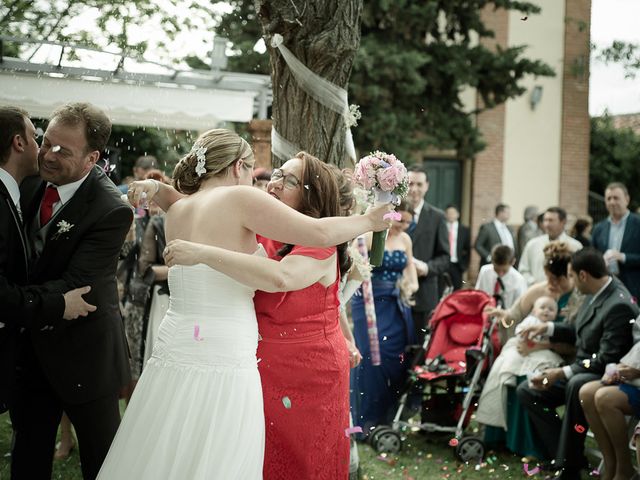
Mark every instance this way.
x=386 y=177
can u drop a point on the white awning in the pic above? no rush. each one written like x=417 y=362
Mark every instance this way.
x=155 y=105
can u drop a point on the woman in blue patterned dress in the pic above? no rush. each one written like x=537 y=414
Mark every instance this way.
x=375 y=388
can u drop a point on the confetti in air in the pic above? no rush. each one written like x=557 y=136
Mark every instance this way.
x=286 y=402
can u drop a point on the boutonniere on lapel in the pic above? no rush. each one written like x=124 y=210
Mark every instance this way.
x=63 y=227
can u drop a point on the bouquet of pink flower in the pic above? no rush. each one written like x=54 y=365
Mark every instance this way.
x=386 y=177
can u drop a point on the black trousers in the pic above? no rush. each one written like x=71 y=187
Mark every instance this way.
x=455 y=272
x=35 y=417
x=560 y=439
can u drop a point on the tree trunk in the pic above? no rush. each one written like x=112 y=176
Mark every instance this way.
x=324 y=35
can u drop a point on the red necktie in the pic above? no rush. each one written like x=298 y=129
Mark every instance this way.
x=497 y=287
x=46 y=207
x=451 y=252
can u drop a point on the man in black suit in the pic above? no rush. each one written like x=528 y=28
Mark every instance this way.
x=430 y=248
x=459 y=246
x=77 y=224
x=618 y=238
x=21 y=304
x=495 y=232
x=602 y=334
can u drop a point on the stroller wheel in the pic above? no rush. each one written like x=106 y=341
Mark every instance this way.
x=373 y=435
x=387 y=441
x=470 y=448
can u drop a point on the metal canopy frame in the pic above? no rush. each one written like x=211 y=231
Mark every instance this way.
x=214 y=79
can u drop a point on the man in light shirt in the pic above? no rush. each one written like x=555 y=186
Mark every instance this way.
x=618 y=238
x=531 y=264
x=494 y=233
x=602 y=335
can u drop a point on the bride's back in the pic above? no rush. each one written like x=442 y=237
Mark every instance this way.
x=209 y=217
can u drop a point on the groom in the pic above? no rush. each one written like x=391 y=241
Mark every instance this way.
x=76 y=223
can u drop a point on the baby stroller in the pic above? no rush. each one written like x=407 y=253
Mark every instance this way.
x=460 y=345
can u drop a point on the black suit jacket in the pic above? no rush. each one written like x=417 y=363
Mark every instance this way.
x=487 y=238
x=602 y=328
x=630 y=269
x=19 y=304
x=431 y=245
x=463 y=246
x=86 y=358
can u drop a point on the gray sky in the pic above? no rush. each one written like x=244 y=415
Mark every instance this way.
x=610 y=20
x=613 y=20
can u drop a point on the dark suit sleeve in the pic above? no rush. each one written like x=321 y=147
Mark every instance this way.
x=597 y=238
x=21 y=305
x=481 y=242
x=97 y=253
x=466 y=249
x=615 y=342
x=563 y=333
x=439 y=262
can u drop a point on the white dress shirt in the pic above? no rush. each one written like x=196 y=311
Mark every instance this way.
x=514 y=283
x=13 y=188
x=66 y=193
x=452 y=232
x=505 y=234
x=531 y=264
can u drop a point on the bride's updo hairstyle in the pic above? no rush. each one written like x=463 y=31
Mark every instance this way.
x=217 y=149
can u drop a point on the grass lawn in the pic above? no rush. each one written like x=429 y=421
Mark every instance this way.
x=422 y=457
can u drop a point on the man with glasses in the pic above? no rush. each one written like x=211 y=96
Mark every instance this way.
x=76 y=222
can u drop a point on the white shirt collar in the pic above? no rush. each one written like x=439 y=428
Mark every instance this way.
x=12 y=186
x=419 y=208
x=593 y=299
x=66 y=192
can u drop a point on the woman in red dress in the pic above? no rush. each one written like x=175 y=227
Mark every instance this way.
x=303 y=357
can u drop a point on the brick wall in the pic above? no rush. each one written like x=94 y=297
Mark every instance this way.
x=574 y=163
x=486 y=185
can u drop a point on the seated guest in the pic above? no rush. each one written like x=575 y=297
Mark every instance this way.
x=511 y=364
x=532 y=258
x=602 y=335
x=605 y=403
x=499 y=278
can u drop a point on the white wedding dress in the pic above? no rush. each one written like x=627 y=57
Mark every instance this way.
x=197 y=411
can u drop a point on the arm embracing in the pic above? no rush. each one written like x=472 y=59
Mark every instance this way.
x=293 y=272
x=277 y=221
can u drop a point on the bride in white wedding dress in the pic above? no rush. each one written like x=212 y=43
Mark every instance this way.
x=196 y=412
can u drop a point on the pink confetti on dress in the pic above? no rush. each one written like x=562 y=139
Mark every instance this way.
x=196 y=333
x=350 y=430
x=579 y=428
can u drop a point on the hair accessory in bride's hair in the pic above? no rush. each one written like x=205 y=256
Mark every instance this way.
x=200 y=153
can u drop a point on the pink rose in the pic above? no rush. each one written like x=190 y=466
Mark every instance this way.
x=387 y=178
x=362 y=174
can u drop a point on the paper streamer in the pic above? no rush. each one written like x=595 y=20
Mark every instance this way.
x=321 y=90
x=369 y=308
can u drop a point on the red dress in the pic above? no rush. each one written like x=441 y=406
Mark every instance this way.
x=304 y=367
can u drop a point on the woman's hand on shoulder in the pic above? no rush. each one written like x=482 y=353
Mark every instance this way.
x=182 y=252
x=141 y=191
